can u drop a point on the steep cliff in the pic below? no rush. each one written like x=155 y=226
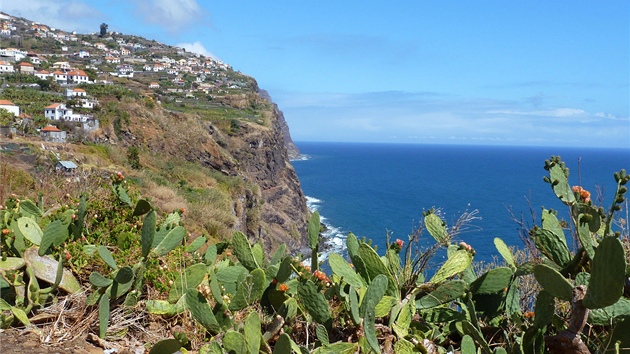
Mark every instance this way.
x=250 y=152
x=292 y=149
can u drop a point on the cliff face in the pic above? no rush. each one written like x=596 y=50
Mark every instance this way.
x=263 y=159
x=269 y=205
x=292 y=150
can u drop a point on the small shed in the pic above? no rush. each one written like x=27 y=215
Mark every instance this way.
x=65 y=166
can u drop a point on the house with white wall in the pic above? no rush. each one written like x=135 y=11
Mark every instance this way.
x=60 y=76
x=57 y=111
x=10 y=107
x=77 y=76
x=6 y=67
x=43 y=74
x=75 y=92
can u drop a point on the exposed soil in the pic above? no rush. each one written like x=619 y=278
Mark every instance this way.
x=13 y=341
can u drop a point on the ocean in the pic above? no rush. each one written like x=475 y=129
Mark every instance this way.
x=375 y=190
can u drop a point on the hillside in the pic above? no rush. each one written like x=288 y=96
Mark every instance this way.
x=189 y=131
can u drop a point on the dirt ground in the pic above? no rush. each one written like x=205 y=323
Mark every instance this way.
x=13 y=341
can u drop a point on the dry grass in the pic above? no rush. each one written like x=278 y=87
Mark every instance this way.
x=163 y=197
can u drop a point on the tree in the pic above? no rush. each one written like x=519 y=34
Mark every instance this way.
x=103 y=29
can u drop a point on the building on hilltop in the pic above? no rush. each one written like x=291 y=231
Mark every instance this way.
x=53 y=134
x=60 y=76
x=6 y=67
x=57 y=111
x=26 y=68
x=75 y=92
x=78 y=77
x=10 y=107
x=43 y=74
x=61 y=65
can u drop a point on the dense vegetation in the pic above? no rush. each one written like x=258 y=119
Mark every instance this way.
x=129 y=258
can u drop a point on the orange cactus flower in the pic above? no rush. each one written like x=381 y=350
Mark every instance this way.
x=283 y=287
x=583 y=193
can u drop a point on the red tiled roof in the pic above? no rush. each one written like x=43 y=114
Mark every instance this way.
x=77 y=73
x=54 y=105
x=50 y=128
x=25 y=64
x=6 y=103
x=78 y=90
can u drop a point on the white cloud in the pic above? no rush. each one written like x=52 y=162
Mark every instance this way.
x=556 y=112
x=198 y=48
x=67 y=15
x=174 y=15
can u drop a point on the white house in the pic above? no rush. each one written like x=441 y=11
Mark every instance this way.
x=6 y=67
x=9 y=106
x=88 y=103
x=124 y=69
x=61 y=65
x=60 y=76
x=57 y=111
x=43 y=74
x=13 y=52
x=75 y=92
x=77 y=76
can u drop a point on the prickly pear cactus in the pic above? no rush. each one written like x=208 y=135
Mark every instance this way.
x=559 y=180
x=608 y=277
x=201 y=311
x=553 y=282
x=314 y=302
x=436 y=227
x=492 y=281
x=243 y=251
x=457 y=263
x=446 y=292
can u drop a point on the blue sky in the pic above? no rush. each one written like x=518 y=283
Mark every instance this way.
x=552 y=73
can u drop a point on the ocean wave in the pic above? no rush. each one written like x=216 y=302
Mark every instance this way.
x=301 y=157
x=333 y=238
x=313 y=204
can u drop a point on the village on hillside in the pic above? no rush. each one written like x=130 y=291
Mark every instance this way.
x=47 y=75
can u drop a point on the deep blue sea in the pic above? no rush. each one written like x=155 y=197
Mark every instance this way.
x=376 y=189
